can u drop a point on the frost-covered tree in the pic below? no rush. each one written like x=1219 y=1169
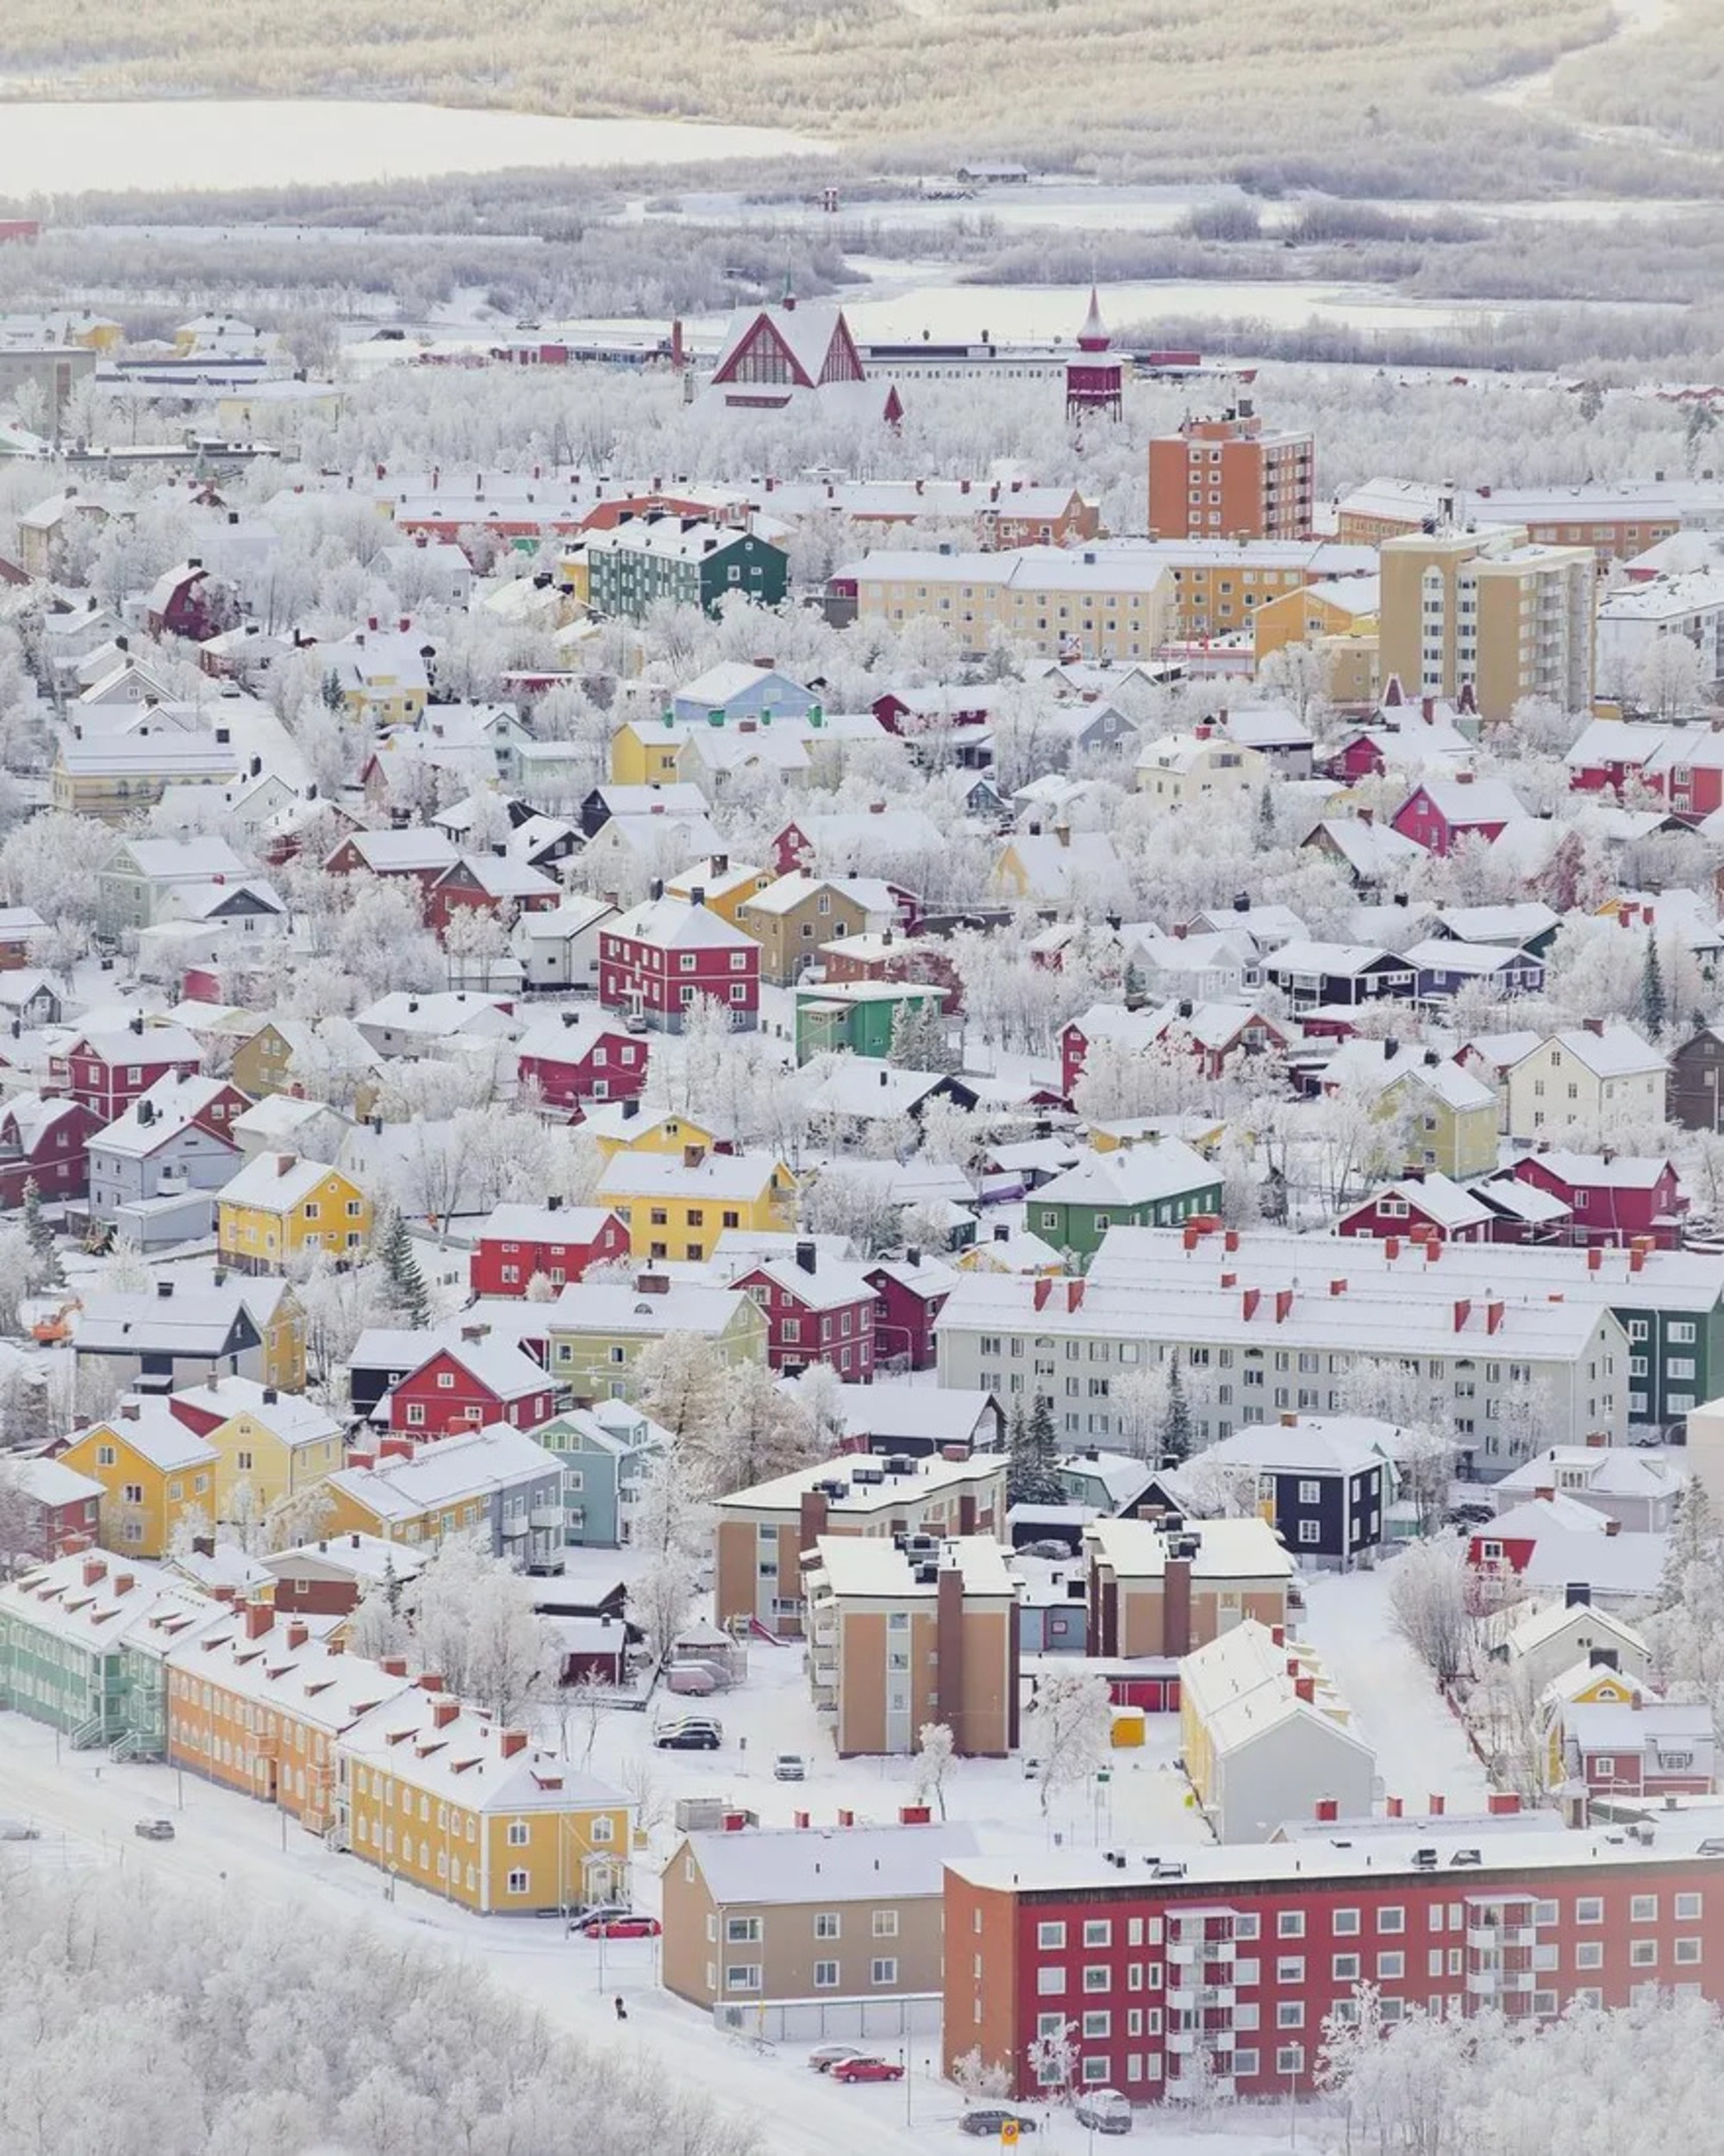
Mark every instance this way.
x=473 y=1623
x=679 y=1381
x=1430 y=1606
x=936 y=1746
x=1073 y=1725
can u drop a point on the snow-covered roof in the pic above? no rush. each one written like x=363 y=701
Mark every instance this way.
x=470 y=1464
x=1227 y=1549
x=1339 y=1444
x=267 y=1184
x=855 y=1489
x=147 y=1424
x=677 y=924
x=775 y=1866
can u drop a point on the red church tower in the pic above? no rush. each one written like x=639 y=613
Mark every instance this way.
x=1095 y=382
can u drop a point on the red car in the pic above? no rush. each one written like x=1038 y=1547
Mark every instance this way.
x=623 y=1928
x=867 y=2070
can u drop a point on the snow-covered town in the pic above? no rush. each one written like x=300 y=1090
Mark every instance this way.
x=817 y=1268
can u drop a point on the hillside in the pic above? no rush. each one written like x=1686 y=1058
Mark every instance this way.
x=1351 y=94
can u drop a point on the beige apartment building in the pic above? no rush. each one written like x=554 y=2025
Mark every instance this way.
x=813 y=1915
x=764 y=1533
x=1486 y=607
x=898 y=1638
x=1095 y=602
x=1165 y=1590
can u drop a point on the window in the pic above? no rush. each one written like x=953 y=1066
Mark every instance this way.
x=1291 y=1969
x=826 y=1924
x=517 y=1834
x=1345 y=1969
x=1289 y=2058
x=1098 y=1932
x=743 y=1976
x=1346 y=1923
x=883 y=1972
x=742 y=1931
x=1310 y=1492
x=1289 y=2014
x=826 y=1976
x=1050 y=1983
x=1291 y=1924
x=1390 y=1966
x=1310 y=1531
x=1098 y=2023
x=1688 y=1950
x=885 y=1923
x=1589 y=1910
x=1643 y=1954
x=1644 y=1907
x=1394 y=1920
x=1687 y=1909
x=517 y=1882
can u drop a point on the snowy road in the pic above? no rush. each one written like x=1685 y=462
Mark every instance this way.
x=1420 y=1748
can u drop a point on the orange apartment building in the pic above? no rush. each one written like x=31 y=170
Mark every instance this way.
x=898 y=1639
x=257 y=1704
x=764 y=1533
x=1227 y=478
x=1162 y=1591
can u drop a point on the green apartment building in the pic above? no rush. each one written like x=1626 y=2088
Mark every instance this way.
x=680 y=561
x=62 y=1631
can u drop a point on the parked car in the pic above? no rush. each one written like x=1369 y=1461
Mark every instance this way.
x=866 y=2069
x=691 y=1733
x=154 y=1829
x=824 y=2057
x=580 y=1918
x=990 y=2120
x=627 y=1926
x=790 y=1766
x=18 y=1830
x=1105 y=2109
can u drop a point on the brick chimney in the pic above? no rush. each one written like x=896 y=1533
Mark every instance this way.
x=258 y=1619
x=1176 y=1607
x=297 y=1634
x=811 y=1522
x=444 y=1711
x=508 y=1742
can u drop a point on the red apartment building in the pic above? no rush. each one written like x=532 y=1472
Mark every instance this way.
x=518 y=1241
x=1240 y=1952
x=1226 y=479
x=655 y=960
x=817 y=1309
x=1611 y=1200
x=578 y=1056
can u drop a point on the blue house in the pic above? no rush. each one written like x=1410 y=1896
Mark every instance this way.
x=741 y=691
x=1442 y=967
x=605 y=1451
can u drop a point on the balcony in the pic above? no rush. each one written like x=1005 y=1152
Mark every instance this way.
x=548 y=1517
x=1494 y=1937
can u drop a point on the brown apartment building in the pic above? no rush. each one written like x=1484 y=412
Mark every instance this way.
x=1227 y=478
x=763 y=1533
x=899 y=1638
x=808 y=1914
x=1161 y=1591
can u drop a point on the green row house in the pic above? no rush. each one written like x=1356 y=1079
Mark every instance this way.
x=600 y=1329
x=1672 y=1309
x=606 y=1451
x=680 y=561
x=81 y=1651
x=1159 y=1186
x=858 y=1016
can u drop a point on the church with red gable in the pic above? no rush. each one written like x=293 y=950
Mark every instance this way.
x=799 y=354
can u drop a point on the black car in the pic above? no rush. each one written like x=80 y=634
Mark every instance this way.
x=687 y=1740
x=990 y=2121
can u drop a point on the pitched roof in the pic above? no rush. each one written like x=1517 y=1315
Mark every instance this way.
x=469 y=1464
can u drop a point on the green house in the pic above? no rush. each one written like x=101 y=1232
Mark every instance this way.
x=858 y=1016
x=1158 y=1185
x=680 y=561
x=599 y=1329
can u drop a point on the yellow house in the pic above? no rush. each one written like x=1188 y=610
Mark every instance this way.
x=615 y=1129
x=283 y=1055
x=644 y=751
x=156 y=1472
x=275 y=1311
x=677 y=1206
x=279 y=1208
x=575 y=576
x=1450 y=1119
x=436 y=1792
x=1346 y=606
x=274 y=1444
x=1587 y=1685
x=728 y=885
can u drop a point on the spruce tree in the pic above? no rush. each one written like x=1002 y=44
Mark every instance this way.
x=1020 y=1471
x=1175 y=1429
x=1654 y=1004
x=49 y=1271
x=1033 y=1468
x=404 y=1277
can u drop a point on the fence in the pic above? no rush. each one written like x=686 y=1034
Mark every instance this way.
x=816 y=2021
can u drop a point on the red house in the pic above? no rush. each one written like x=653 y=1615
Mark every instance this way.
x=1610 y=753
x=1688 y=769
x=890 y=957
x=189 y=601
x=45 y=1140
x=912 y=1292
x=1638 y=1747
x=466 y=1387
x=421 y=852
x=488 y=883
x=108 y=1070
x=655 y=960
x=1435 y=1209
x=1613 y=1200
x=578 y=1056
x=1507 y=1544
x=1441 y=812
x=518 y=1241
x=62 y=1508
x=817 y=1309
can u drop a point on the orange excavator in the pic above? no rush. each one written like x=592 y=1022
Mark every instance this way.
x=55 y=1331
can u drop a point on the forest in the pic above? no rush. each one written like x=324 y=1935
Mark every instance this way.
x=1365 y=99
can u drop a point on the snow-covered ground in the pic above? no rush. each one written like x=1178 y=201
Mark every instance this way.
x=86 y=1807
x=1420 y=1748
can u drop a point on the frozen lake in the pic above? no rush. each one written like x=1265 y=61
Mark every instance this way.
x=174 y=145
